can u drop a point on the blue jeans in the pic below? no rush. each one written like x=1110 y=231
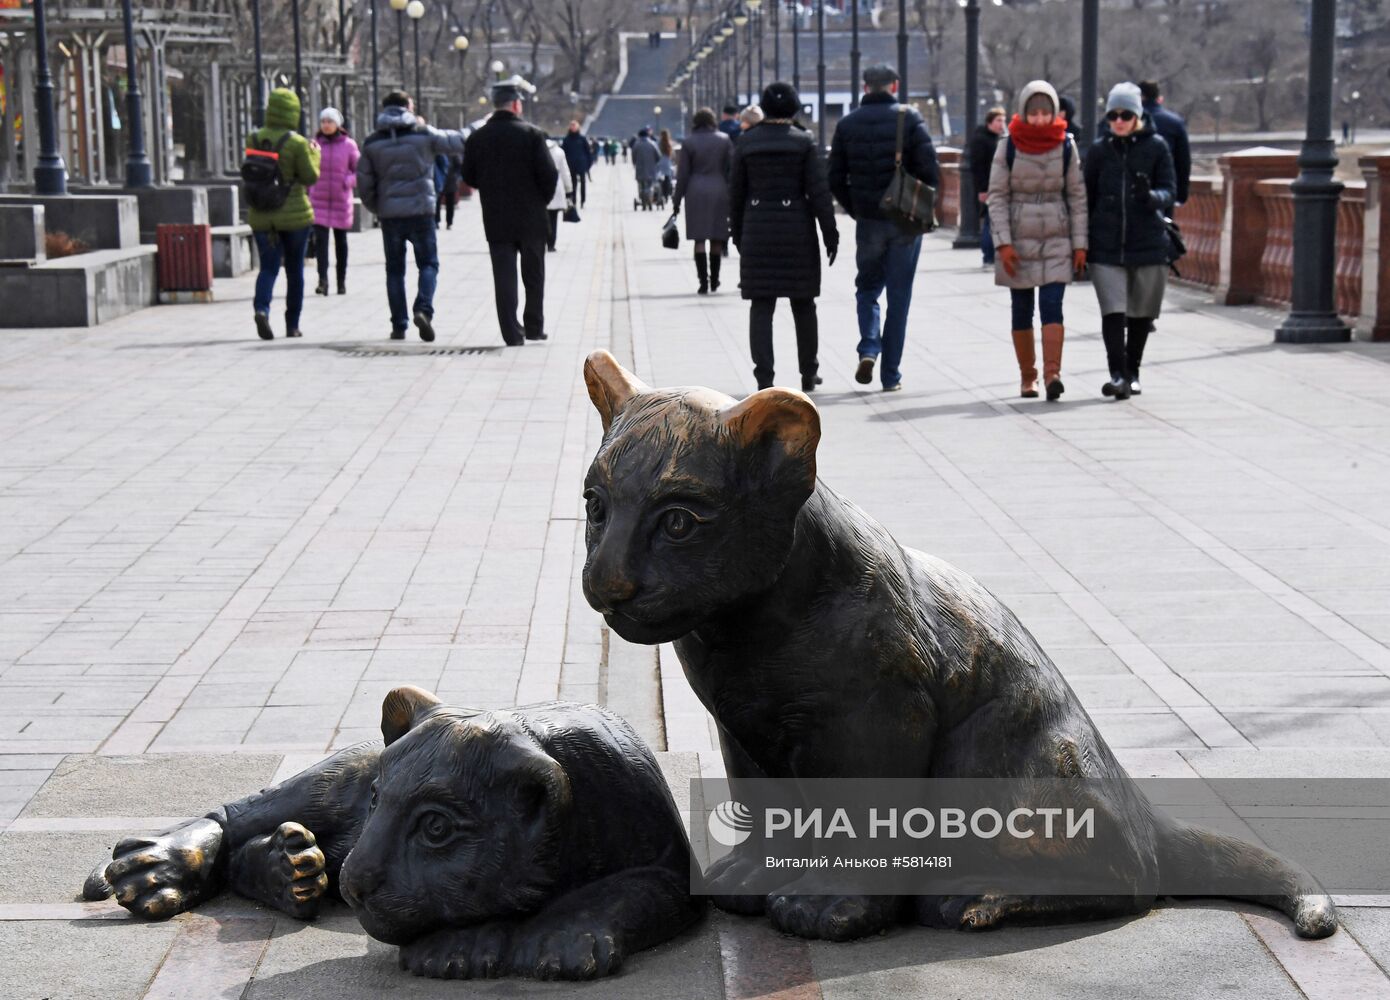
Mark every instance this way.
x=986 y=240
x=418 y=231
x=276 y=248
x=1049 y=305
x=886 y=257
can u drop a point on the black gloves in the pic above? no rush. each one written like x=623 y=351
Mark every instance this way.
x=1142 y=190
x=830 y=253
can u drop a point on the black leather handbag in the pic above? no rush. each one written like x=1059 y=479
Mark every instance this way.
x=908 y=201
x=671 y=234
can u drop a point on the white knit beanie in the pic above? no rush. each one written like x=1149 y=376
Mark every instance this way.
x=331 y=115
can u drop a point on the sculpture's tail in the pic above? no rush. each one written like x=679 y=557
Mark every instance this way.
x=1230 y=867
x=96 y=887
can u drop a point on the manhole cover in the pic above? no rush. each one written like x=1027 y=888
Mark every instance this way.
x=408 y=352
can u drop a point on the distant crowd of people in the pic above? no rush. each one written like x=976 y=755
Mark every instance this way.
x=1052 y=211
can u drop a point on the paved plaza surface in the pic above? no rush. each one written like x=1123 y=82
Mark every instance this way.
x=217 y=555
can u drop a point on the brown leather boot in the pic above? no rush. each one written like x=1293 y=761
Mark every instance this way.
x=1052 y=336
x=1027 y=362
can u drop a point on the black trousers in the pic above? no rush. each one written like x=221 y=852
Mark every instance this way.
x=580 y=181
x=339 y=247
x=504 y=257
x=760 y=337
x=447 y=200
x=553 y=214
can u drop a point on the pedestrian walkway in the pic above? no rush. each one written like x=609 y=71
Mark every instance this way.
x=218 y=554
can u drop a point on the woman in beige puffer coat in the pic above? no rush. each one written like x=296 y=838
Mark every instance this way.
x=1037 y=214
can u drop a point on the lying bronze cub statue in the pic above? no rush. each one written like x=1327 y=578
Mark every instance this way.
x=540 y=841
x=824 y=649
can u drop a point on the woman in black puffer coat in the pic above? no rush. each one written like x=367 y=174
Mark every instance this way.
x=1130 y=186
x=778 y=192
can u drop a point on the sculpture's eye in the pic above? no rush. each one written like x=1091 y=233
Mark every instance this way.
x=678 y=523
x=595 y=507
x=435 y=828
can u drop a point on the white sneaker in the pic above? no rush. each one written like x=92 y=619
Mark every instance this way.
x=1134 y=389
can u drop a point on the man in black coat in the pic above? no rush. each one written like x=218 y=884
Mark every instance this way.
x=579 y=155
x=862 y=164
x=980 y=155
x=1173 y=129
x=508 y=161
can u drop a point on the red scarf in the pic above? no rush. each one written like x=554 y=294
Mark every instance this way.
x=1037 y=139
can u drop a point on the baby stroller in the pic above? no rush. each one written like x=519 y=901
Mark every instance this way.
x=649 y=195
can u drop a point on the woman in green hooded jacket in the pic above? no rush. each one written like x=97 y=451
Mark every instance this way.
x=282 y=234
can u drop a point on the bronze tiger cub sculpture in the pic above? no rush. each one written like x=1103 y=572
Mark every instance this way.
x=824 y=649
x=540 y=841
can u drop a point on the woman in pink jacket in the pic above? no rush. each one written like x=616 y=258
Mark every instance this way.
x=332 y=195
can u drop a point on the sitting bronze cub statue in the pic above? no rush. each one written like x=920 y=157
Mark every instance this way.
x=539 y=841
x=824 y=649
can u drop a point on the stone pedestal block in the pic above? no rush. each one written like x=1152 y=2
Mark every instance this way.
x=1244 y=221
x=21 y=232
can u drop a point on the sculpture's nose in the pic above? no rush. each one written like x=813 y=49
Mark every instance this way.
x=358 y=883
x=614 y=589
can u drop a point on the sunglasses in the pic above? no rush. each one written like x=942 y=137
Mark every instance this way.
x=1120 y=116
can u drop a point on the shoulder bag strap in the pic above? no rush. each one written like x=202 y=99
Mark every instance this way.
x=898 y=145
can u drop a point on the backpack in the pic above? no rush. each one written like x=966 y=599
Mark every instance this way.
x=262 y=184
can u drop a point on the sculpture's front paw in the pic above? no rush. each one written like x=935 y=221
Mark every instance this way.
x=158 y=877
x=831 y=918
x=459 y=952
x=558 y=952
x=727 y=883
x=299 y=863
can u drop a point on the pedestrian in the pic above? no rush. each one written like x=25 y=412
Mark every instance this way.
x=980 y=153
x=728 y=122
x=702 y=185
x=508 y=161
x=1037 y=211
x=281 y=231
x=1173 y=128
x=862 y=165
x=665 y=169
x=1130 y=186
x=446 y=178
x=563 y=198
x=1066 y=107
x=777 y=195
x=579 y=159
x=750 y=116
x=331 y=195
x=645 y=157
x=396 y=181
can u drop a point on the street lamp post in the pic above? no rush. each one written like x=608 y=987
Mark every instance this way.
x=777 y=39
x=733 y=56
x=796 y=48
x=1313 y=316
x=1355 y=107
x=260 y=72
x=399 y=7
x=298 y=63
x=50 y=173
x=902 y=51
x=342 y=54
x=376 y=69
x=461 y=47
x=854 y=54
x=657 y=111
x=968 y=232
x=1090 y=60
x=820 y=72
x=1217 y=101
x=756 y=7
x=138 y=173
x=497 y=66
x=416 y=10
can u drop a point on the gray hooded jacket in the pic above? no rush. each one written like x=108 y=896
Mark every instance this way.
x=395 y=175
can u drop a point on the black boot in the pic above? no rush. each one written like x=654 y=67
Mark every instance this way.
x=714 y=272
x=322 y=287
x=1139 y=330
x=1112 y=331
x=702 y=271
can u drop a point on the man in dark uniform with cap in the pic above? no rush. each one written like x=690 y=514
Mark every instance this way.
x=508 y=161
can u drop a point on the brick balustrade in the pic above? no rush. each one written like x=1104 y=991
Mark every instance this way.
x=1239 y=228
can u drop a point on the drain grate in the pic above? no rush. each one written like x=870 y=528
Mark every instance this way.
x=403 y=352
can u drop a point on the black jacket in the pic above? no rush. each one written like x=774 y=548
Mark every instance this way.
x=1126 y=224
x=577 y=153
x=861 y=154
x=777 y=194
x=980 y=153
x=508 y=161
x=1174 y=131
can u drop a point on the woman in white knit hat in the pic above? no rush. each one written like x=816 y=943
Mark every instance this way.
x=1130 y=187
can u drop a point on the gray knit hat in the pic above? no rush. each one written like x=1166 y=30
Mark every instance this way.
x=1125 y=97
x=331 y=115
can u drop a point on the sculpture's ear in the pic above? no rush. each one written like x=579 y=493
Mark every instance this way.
x=783 y=423
x=403 y=709
x=610 y=386
x=543 y=792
